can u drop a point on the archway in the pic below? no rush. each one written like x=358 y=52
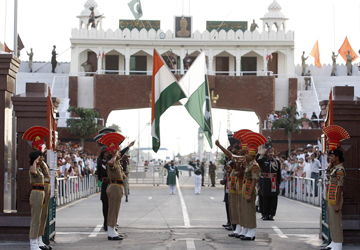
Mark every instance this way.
x=179 y=132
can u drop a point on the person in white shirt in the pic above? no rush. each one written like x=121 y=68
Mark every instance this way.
x=314 y=167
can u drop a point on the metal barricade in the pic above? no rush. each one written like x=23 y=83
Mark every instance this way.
x=303 y=189
x=74 y=188
x=147 y=175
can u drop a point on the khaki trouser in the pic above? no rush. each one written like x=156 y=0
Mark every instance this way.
x=45 y=210
x=335 y=222
x=249 y=212
x=234 y=209
x=240 y=200
x=36 y=203
x=114 y=193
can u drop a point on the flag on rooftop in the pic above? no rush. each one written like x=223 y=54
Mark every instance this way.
x=20 y=43
x=196 y=86
x=345 y=47
x=315 y=52
x=165 y=92
x=135 y=7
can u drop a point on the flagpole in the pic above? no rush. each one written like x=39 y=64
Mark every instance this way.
x=14 y=122
x=334 y=26
x=15 y=29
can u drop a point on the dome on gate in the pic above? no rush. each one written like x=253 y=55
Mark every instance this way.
x=274 y=6
x=274 y=11
x=90 y=3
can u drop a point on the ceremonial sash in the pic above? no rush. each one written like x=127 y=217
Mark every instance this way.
x=332 y=194
x=247 y=188
x=232 y=184
x=240 y=183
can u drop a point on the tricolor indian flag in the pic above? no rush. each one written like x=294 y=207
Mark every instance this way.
x=165 y=92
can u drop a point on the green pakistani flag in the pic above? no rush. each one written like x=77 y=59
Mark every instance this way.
x=135 y=7
x=196 y=87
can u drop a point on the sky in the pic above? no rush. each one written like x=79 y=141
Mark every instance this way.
x=44 y=23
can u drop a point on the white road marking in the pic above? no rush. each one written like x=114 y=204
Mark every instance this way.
x=190 y=244
x=183 y=206
x=150 y=198
x=278 y=231
x=212 y=198
x=96 y=231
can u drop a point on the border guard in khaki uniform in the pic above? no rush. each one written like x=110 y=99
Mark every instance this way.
x=334 y=189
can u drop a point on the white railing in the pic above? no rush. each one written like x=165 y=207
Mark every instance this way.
x=74 y=188
x=214 y=36
x=316 y=94
x=302 y=189
x=267 y=124
x=97 y=120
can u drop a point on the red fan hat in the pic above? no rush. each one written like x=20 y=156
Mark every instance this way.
x=335 y=135
x=253 y=141
x=112 y=141
x=36 y=135
x=239 y=136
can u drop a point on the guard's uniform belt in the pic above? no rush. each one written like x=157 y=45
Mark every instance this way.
x=119 y=182
x=269 y=175
x=105 y=180
x=37 y=187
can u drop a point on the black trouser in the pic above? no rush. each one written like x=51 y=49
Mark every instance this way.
x=105 y=208
x=104 y=200
x=261 y=204
x=269 y=205
x=53 y=67
x=226 y=200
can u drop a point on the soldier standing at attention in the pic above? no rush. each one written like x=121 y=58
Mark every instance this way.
x=334 y=189
x=37 y=195
x=53 y=59
x=303 y=64
x=116 y=177
x=198 y=177
x=212 y=172
x=173 y=172
x=234 y=209
x=202 y=167
x=249 y=192
x=102 y=175
x=269 y=182
x=333 y=58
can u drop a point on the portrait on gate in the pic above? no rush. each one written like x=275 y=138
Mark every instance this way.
x=183 y=26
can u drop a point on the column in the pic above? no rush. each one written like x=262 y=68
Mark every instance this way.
x=127 y=61
x=99 y=61
x=265 y=61
x=211 y=60
x=238 y=62
x=182 y=56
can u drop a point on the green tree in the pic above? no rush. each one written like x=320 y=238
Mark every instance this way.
x=116 y=127
x=84 y=124
x=289 y=123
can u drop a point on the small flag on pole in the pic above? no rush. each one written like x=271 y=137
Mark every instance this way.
x=7 y=49
x=345 y=47
x=315 y=52
x=135 y=7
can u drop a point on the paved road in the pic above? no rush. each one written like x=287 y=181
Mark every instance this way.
x=153 y=219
